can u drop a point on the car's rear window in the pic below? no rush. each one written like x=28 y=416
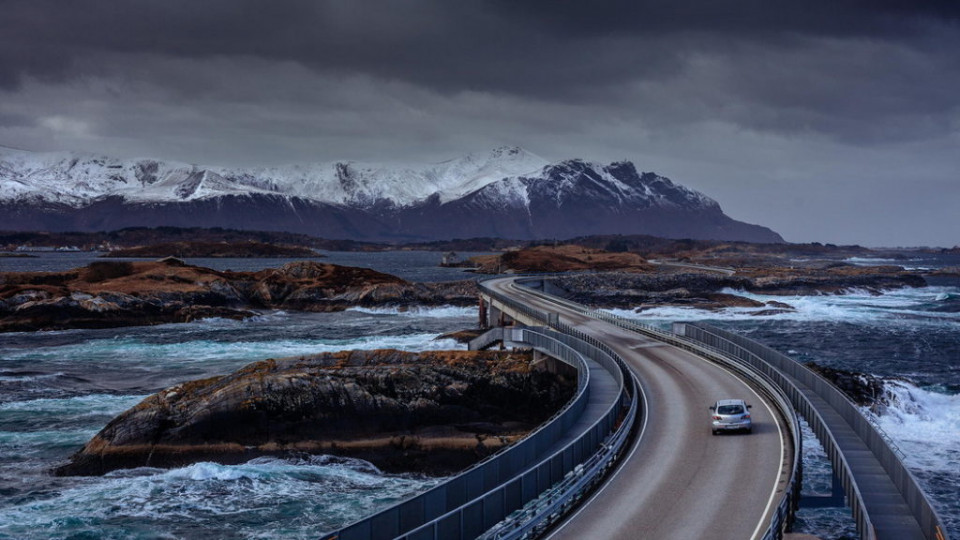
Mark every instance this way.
x=730 y=409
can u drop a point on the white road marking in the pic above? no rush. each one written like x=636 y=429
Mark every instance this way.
x=776 y=478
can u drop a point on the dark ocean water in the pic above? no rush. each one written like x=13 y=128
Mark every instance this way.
x=57 y=389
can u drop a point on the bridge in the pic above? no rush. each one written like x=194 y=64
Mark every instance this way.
x=632 y=456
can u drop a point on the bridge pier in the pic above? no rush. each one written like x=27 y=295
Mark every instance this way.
x=545 y=362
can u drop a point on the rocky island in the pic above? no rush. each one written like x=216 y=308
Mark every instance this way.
x=624 y=279
x=562 y=258
x=430 y=412
x=108 y=294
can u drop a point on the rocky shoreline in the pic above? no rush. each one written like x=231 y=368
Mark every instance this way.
x=108 y=294
x=706 y=290
x=432 y=412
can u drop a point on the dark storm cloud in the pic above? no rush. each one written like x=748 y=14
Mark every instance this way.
x=546 y=50
x=803 y=106
x=540 y=47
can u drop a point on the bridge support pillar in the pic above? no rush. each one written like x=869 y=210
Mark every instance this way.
x=544 y=362
x=484 y=323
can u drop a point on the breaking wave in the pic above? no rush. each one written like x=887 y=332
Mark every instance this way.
x=440 y=312
x=290 y=498
x=856 y=306
x=925 y=425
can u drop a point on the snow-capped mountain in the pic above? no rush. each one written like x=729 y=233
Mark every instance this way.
x=76 y=179
x=507 y=192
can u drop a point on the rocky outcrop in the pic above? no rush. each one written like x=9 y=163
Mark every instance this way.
x=862 y=388
x=703 y=289
x=432 y=412
x=121 y=293
x=562 y=258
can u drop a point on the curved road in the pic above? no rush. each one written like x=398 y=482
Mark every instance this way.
x=678 y=480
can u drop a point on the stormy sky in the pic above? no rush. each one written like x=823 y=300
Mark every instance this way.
x=832 y=121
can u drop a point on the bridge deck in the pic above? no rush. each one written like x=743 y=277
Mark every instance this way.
x=733 y=482
x=886 y=507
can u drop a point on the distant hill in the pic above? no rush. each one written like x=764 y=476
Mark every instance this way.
x=505 y=193
x=248 y=249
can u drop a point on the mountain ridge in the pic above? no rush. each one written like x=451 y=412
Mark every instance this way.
x=507 y=192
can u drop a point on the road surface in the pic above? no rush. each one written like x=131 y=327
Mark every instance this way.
x=679 y=480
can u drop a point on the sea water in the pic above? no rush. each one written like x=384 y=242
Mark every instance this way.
x=57 y=389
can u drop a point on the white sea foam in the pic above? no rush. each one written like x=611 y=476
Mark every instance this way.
x=31 y=441
x=90 y=404
x=132 y=350
x=926 y=426
x=872 y=261
x=862 y=307
x=298 y=497
x=29 y=377
x=439 y=312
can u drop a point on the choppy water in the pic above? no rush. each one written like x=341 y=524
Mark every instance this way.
x=57 y=389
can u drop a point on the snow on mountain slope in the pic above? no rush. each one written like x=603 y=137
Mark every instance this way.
x=506 y=193
x=576 y=182
x=77 y=179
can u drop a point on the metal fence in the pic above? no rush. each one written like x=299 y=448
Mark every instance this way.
x=485 y=494
x=782 y=368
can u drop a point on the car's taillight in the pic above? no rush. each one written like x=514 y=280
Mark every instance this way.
x=746 y=417
x=716 y=417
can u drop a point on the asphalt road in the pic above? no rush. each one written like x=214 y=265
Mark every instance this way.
x=679 y=480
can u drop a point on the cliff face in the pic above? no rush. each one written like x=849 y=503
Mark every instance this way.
x=109 y=293
x=432 y=412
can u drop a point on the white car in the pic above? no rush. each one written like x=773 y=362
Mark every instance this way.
x=731 y=415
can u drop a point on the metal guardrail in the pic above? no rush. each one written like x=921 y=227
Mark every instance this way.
x=483 y=495
x=563 y=496
x=553 y=505
x=780 y=367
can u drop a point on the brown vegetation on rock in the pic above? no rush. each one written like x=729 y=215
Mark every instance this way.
x=123 y=293
x=433 y=412
x=703 y=289
x=562 y=258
